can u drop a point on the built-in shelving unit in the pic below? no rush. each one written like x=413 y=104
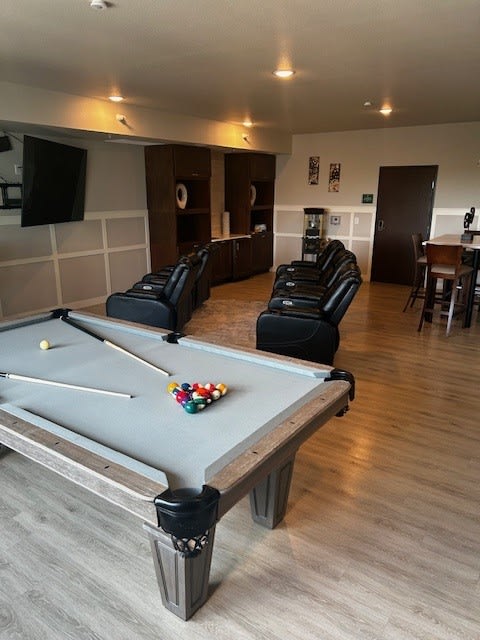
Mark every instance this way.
x=178 y=200
x=249 y=197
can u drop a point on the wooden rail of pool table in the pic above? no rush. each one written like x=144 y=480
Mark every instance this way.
x=135 y=492
x=243 y=474
x=113 y=482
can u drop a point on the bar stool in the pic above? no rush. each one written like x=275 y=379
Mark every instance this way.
x=444 y=262
x=420 y=264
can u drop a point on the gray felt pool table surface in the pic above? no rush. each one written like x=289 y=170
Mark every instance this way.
x=149 y=432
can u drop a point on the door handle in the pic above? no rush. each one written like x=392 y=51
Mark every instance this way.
x=380 y=225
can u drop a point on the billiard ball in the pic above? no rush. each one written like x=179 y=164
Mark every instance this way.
x=200 y=402
x=182 y=397
x=44 y=345
x=195 y=397
x=191 y=406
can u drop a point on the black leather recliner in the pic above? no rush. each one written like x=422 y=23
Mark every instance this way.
x=308 y=332
x=317 y=278
x=298 y=333
x=201 y=290
x=204 y=276
x=308 y=268
x=304 y=311
x=169 y=307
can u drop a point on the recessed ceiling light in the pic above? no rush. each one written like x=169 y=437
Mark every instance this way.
x=247 y=123
x=367 y=103
x=283 y=73
x=115 y=98
x=386 y=110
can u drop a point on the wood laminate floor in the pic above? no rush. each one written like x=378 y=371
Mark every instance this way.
x=381 y=540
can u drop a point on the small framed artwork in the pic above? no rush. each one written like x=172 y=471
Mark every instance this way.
x=334 y=177
x=313 y=169
x=367 y=198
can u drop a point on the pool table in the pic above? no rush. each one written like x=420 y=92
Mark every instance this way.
x=94 y=407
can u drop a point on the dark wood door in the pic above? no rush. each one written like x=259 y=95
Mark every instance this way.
x=404 y=206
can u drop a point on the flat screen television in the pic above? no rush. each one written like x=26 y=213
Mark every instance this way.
x=54 y=177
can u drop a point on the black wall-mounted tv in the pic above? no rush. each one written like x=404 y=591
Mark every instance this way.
x=54 y=176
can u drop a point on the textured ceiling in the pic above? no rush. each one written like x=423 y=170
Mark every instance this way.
x=214 y=58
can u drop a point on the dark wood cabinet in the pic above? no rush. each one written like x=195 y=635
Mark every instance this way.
x=262 y=251
x=242 y=258
x=249 y=197
x=192 y=161
x=262 y=166
x=177 y=224
x=222 y=261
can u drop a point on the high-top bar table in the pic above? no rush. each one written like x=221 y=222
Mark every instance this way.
x=474 y=246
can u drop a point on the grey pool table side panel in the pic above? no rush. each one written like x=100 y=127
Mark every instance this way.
x=116 y=483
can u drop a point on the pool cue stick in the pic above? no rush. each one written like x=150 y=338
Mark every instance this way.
x=113 y=345
x=15 y=376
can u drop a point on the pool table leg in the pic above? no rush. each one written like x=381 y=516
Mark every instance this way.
x=268 y=500
x=183 y=580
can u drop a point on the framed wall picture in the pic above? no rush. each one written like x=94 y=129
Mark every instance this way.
x=313 y=169
x=334 y=177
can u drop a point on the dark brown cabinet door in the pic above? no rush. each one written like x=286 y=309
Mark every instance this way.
x=262 y=167
x=191 y=161
x=242 y=258
x=262 y=252
x=222 y=261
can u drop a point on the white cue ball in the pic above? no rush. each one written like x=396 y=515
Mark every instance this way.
x=44 y=344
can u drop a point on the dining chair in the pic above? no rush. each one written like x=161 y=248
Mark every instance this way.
x=444 y=262
x=420 y=266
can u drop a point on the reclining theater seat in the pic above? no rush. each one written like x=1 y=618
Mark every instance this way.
x=316 y=278
x=303 y=267
x=298 y=333
x=168 y=307
x=201 y=290
x=304 y=324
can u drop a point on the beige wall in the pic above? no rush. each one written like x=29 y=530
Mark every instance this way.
x=74 y=264
x=78 y=263
x=455 y=148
